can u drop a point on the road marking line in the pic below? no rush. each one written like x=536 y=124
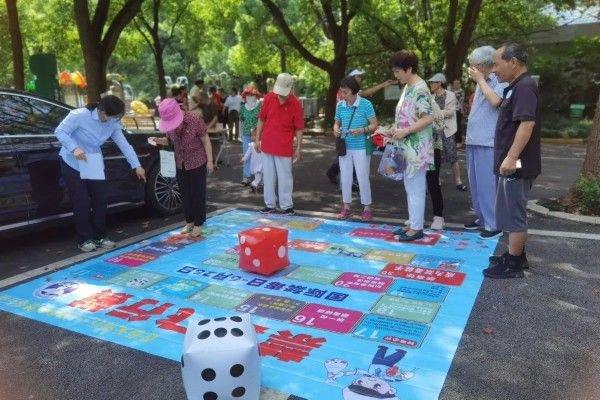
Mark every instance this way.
x=397 y=221
x=225 y=207
x=58 y=265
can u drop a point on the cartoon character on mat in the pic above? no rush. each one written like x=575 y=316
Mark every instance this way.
x=336 y=368
x=384 y=366
x=369 y=387
x=373 y=383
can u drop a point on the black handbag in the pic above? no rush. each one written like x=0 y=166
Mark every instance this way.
x=340 y=142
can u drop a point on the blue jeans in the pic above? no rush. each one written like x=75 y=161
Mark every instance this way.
x=245 y=143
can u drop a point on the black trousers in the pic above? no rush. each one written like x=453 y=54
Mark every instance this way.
x=192 y=184
x=433 y=185
x=459 y=133
x=89 y=198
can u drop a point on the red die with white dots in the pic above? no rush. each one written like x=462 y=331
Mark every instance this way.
x=264 y=250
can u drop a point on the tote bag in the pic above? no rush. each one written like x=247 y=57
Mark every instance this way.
x=167 y=164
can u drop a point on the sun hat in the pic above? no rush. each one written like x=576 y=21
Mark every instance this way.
x=439 y=77
x=251 y=91
x=171 y=115
x=283 y=84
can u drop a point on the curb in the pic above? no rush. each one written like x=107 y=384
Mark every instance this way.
x=67 y=262
x=532 y=205
x=563 y=141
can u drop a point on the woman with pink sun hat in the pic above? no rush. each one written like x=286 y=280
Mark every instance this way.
x=187 y=133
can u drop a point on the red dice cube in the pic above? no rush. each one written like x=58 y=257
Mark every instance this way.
x=264 y=250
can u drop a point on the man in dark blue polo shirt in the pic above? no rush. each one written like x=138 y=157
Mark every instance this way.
x=517 y=158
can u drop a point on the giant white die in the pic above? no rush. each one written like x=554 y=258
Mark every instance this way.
x=220 y=359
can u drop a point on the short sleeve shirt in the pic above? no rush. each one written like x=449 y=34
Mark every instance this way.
x=280 y=124
x=417 y=147
x=363 y=112
x=233 y=103
x=187 y=142
x=481 y=126
x=521 y=102
x=249 y=118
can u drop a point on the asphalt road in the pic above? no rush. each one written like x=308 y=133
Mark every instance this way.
x=532 y=338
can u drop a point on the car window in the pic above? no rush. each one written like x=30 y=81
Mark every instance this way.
x=22 y=115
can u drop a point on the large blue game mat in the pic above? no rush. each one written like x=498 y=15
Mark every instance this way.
x=355 y=316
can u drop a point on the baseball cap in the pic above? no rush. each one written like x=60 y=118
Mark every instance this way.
x=356 y=72
x=283 y=84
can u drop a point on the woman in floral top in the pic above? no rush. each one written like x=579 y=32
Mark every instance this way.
x=248 y=119
x=412 y=132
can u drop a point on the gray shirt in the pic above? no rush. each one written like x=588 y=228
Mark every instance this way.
x=481 y=126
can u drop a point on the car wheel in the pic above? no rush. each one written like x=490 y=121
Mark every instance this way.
x=162 y=194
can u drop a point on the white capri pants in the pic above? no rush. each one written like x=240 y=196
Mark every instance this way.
x=360 y=161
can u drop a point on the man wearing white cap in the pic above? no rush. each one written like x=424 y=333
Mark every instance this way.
x=279 y=121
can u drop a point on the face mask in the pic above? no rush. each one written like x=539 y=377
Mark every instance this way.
x=251 y=101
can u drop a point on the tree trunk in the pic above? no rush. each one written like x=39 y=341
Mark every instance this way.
x=591 y=163
x=336 y=74
x=337 y=33
x=160 y=71
x=95 y=73
x=16 y=44
x=455 y=52
x=97 y=48
x=282 y=59
x=454 y=64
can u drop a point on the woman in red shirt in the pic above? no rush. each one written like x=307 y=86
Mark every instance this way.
x=193 y=158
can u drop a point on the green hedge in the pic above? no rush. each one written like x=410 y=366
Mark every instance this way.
x=586 y=195
x=560 y=127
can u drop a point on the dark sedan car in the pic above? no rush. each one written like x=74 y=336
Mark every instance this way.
x=32 y=190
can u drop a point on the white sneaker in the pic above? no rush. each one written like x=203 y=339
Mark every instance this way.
x=88 y=246
x=437 y=224
x=105 y=243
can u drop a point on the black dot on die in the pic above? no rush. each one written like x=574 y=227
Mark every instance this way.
x=237 y=332
x=203 y=334
x=220 y=332
x=220 y=319
x=238 y=391
x=182 y=364
x=236 y=319
x=208 y=374
x=237 y=370
x=210 y=396
x=203 y=322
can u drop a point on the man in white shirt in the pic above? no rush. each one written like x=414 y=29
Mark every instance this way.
x=233 y=104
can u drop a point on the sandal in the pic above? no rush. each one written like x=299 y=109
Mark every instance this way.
x=186 y=229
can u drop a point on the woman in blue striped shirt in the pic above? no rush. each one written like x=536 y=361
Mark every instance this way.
x=355 y=121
